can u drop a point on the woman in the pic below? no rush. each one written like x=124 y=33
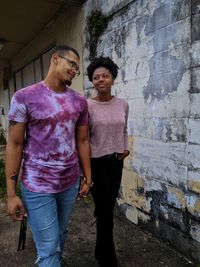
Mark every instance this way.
x=109 y=146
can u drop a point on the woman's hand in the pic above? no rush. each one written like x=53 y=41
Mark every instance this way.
x=84 y=187
x=122 y=156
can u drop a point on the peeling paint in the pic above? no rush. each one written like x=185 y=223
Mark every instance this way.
x=193 y=205
x=176 y=197
x=161 y=83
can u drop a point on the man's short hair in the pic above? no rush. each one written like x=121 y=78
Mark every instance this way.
x=61 y=49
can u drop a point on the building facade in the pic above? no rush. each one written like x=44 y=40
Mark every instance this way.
x=31 y=63
x=156 y=44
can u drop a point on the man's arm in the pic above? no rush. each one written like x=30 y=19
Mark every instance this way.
x=14 y=150
x=83 y=147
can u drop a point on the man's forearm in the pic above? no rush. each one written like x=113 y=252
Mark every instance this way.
x=84 y=156
x=12 y=167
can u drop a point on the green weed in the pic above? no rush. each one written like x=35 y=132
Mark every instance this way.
x=2 y=179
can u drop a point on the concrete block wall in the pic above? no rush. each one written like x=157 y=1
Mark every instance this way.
x=156 y=44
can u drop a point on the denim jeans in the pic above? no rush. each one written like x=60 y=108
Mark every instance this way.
x=48 y=216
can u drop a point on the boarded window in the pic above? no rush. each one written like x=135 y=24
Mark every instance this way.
x=34 y=71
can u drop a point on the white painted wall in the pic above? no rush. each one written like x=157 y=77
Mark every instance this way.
x=150 y=41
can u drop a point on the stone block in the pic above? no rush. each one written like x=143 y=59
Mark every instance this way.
x=195 y=230
x=193 y=182
x=161 y=85
x=194 y=105
x=130 y=179
x=160 y=129
x=143 y=217
x=151 y=184
x=195 y=80
x=173 y=217
x=176 y=197
x=193 y=204
x=195 y=7
x=195 y=27
x=180 y=9
x=132 y=214
x=130 y=90
x=141 y=184
x=194 y=126
x=171 y=103
x=173 y=35
x=137 y=200
x=193 y=157
x=180 y=53
x=160 y=161
x=159 y=19
x=195 y=58
x=141 y=127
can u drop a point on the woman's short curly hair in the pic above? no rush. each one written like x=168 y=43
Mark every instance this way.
x=105 y=62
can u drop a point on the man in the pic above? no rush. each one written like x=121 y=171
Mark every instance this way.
x=48 y=130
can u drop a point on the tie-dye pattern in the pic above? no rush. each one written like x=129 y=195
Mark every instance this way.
x=50 y=160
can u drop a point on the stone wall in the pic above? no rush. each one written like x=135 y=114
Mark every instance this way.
x=156 y=44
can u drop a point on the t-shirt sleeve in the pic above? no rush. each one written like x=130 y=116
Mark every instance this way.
x=18 y=110
x=83 y=119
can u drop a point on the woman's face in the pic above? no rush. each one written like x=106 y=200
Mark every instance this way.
x=102 y=80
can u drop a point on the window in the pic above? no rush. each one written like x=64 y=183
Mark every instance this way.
x=34 y=71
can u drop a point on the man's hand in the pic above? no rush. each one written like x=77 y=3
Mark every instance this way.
x=84 y=188
x=15 y=208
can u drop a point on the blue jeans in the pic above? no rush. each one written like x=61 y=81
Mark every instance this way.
x=48 y=215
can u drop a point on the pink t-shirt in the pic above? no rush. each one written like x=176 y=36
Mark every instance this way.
x=108 y=126
x=50 y=159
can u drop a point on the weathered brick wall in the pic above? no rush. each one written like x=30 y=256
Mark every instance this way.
x=156 y=44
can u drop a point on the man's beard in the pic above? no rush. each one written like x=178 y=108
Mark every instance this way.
x=68 y=82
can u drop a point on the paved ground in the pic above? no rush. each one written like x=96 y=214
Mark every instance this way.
x=134 y=247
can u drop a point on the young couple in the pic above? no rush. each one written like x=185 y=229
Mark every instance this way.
x=48 y=136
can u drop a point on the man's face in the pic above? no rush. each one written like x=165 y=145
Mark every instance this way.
x=67 y=66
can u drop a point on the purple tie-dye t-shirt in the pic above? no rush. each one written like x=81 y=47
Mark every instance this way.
x=50 y=159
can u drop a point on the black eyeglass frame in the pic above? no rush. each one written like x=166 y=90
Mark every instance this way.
x=72 y=64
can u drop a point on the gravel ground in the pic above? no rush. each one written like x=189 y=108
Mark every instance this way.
x=134 y=248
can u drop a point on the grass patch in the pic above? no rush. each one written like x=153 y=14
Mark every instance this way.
x=3 y=181
x=2 y=137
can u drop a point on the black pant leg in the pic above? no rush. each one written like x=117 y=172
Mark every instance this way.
x=107 y=178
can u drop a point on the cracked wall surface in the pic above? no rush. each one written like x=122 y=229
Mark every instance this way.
x=156 y=44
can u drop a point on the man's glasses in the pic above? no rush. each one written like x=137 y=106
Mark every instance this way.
x=72 y=64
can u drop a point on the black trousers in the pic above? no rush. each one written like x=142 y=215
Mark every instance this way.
x=107 y=174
